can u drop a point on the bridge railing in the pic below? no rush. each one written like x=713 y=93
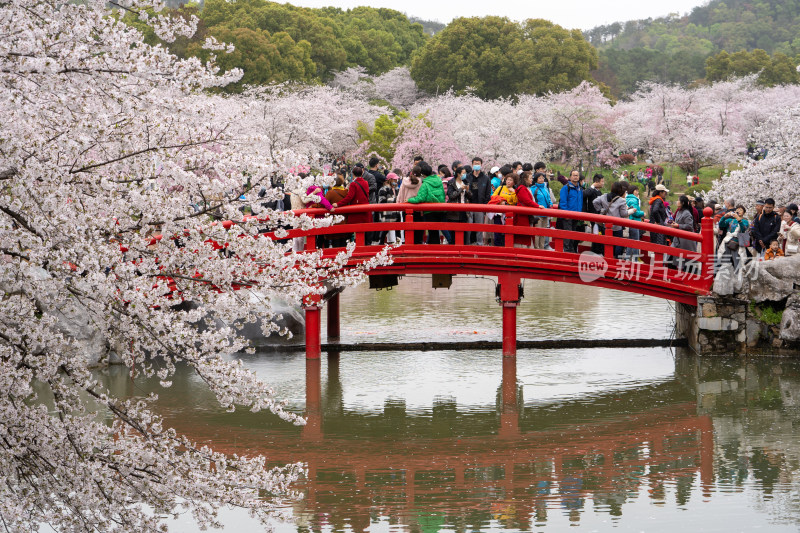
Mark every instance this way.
x=699 y=264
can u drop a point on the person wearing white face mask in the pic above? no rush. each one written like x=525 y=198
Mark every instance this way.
x=480 y=191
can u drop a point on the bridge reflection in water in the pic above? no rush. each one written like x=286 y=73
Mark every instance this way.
x=518 y=472
x=511 y=463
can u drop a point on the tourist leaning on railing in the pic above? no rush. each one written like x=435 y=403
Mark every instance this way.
x=336 y=194
x=409 y=188
x=480 y=191
x=614 y=204
x=571 y=199
x=634 y=213
x=387 y=194
x=658 y=214
x=457 y=193
x=431 y=192
x=357 y=194
x=541 y=195
x=684 y=220
x=524 y=199
x=503 y=195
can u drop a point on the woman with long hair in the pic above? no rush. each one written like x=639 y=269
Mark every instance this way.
x=684 y=220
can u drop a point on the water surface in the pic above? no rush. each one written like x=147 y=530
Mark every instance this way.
x=594 y=439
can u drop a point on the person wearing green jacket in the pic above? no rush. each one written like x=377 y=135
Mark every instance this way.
x=634 y=213
x=430 y=192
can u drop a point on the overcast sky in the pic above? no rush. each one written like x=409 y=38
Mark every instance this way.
x=583 y=14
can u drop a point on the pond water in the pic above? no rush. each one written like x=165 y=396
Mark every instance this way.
x=595 y=439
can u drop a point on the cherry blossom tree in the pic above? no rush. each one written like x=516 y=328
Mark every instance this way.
x=395 y=86
x=498 y=131
x=398 y=88
x=579 y=122
x=776 y=175
x=706 y=125
x=309 y=121
x=106 y=143
x=419 y=137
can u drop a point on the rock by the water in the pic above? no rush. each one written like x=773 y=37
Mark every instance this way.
x=775 y=280
x=790 y=323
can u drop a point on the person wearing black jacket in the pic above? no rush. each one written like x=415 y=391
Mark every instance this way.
x=370 y=236
x=380 y=179
x=765 y=226
x=658 y=213
x=480 y=189
x=589 y=196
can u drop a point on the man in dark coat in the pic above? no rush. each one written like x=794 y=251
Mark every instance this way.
x=658 y=212
x=765 y=226
x=589 y=196
x=380 y=179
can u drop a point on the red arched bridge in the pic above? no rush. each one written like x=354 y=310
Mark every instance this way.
x=647 y=274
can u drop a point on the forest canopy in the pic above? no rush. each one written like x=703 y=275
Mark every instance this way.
x=281 y=42
x=674 y=49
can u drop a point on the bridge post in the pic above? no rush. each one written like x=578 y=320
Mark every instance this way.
x=333 y=317
x=408 y=235
x=509 y=329
x=311 y=306
x=509 y=299
x=608 y=250
x=707 y=246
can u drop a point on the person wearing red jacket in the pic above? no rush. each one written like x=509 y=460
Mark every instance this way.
x=524 y=199
x=357 y=194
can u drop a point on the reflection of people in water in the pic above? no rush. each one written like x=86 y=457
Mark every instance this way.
x=570 y=489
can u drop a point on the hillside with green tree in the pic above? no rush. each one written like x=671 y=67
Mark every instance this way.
x=281 y=42
x=495 y=57
x=675 y=48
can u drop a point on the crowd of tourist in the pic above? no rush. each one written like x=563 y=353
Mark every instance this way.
x=772 y=232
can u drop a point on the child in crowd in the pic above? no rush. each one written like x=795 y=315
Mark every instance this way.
x=773 y=251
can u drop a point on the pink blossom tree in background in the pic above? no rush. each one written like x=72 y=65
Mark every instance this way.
x=104 y=143
x=580 y=123
x=498 y=131
x=418 y=137
x=776 y=175
x=702 y=126
x=313 y=122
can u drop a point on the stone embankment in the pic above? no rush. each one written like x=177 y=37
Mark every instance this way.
x=755 y=310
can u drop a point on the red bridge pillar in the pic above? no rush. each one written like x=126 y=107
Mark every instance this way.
x=333 y=317
x=509 y=329
x=312 y=308
x=509 y=299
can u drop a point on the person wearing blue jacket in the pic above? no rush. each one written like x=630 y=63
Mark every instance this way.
x=571 y=199
x=634 y=213
x=541 y=195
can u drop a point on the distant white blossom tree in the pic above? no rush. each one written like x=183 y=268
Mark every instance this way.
x=776 y=175
x=394 y=86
